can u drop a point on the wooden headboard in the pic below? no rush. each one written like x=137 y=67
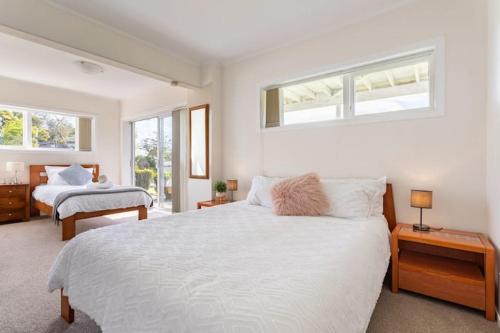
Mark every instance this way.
x=38 y=175
x=389 y=210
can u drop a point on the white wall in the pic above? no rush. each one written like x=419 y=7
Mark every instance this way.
x=493 y=123
x=107 y=129
x=153 y=102
x=446 y=154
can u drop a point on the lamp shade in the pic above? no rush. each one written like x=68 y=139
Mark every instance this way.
x=14 y=166
x=232 y=184
x=421 y=199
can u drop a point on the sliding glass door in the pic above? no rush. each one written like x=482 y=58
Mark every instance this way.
x=152 y=158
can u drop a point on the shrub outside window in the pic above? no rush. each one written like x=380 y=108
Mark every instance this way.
x=11 y=128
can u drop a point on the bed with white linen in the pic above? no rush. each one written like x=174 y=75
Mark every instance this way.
x=232 y=268
x=44 y=193
x=89 y=203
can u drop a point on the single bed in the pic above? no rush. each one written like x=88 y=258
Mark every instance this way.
x=231 y=268
x=81 y=207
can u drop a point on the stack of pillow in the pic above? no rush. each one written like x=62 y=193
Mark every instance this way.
x=75 y=175
x=308 y=195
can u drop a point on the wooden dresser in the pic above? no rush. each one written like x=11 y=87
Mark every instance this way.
x=452 y=265
x=14 y=202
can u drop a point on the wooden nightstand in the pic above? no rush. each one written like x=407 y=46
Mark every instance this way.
x=211 y=203
x=14 y=202
x=455 y=266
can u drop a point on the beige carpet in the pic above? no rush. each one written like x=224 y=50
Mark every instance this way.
x=27 y=251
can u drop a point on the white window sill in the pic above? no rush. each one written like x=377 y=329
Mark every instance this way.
x=364 y=119
x=41 y=150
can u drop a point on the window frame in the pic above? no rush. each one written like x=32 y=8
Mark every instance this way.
x=27 y=131
x=434 y=48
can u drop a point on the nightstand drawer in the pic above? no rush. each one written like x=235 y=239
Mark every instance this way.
x=445 y=278
x=12 y=191
x=12 y=215
x=12 y=203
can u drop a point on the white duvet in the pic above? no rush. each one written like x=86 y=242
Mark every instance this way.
x=231 y=268
x=89 y=203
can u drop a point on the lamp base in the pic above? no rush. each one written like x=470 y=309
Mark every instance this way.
x=421 y=227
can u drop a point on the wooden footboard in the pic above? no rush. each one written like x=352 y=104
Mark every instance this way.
x=67 y=313
x=69 y=223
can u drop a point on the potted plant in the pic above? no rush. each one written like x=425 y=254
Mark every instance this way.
x=220 y=189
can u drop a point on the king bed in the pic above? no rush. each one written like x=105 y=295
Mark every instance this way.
x=231 y=268
x=83 y=203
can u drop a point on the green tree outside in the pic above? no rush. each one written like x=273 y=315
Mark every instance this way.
x=48 y=130
x=11 y=128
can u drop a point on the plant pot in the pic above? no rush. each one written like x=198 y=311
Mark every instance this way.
x=220 y=196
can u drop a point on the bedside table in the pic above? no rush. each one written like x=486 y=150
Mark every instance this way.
x=14 y=202
x=452 y=265
x=211 y=203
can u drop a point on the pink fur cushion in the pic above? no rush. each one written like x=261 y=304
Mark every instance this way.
x=300 y=196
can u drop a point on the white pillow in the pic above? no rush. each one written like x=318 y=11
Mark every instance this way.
x=354 y=198
x=260 y=192
x=53 y=175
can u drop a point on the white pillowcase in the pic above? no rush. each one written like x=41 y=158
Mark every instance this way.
x=349 y=198
x=260 y=192
x=53 y=175
x=355 y=198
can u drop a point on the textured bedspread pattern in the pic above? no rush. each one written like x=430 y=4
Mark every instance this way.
x=232 y=268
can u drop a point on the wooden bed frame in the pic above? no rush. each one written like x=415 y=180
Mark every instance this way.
x=38 y=176
x=68 y=314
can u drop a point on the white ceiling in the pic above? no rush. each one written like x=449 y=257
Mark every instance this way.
x=28 y=61
x=225 y=30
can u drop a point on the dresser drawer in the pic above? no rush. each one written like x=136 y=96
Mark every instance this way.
x=12 y=203
x=12 y=191
x=12 y=215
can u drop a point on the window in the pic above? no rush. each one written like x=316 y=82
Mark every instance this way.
x=11 y=128
x=395 y=87
x=22 y=128
x=318 y=100
x=52 y=130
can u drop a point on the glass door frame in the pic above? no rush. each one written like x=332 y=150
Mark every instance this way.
x=160 y=181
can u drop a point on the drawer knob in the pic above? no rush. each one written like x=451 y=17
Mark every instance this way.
x=10 y=191
x=10 y=203
x=10 y=214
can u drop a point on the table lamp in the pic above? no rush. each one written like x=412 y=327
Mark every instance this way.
x=421 y=199
x=15 y=167
x=232 y=185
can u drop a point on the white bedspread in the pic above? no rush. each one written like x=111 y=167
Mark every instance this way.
x=88 y=203
x=231 y=268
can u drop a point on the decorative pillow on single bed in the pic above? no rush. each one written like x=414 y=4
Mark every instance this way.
x=76 y=175
x=300 y=196
x=355 y=198
x=53 y=174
